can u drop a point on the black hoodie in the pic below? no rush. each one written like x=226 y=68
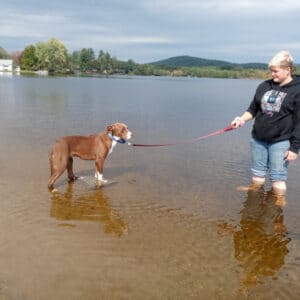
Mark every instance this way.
x=277 y=112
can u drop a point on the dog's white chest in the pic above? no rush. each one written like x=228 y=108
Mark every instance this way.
x=113 y=145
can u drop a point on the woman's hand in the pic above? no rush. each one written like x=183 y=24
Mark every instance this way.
x=237 y=122
x=289 y=155
x=240 y=121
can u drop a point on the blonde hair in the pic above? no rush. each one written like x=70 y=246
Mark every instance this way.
x=283 y=59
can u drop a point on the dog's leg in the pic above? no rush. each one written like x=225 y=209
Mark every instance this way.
x=99 y=170
x=71 y=175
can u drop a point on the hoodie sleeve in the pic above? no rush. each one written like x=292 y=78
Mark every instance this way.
x=252 y=109
x=295 y=138
x=255 y=104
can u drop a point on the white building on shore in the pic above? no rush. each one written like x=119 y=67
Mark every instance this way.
x=6 y=65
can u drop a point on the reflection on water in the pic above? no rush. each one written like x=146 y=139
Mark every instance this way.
x=260 y=239
x=90 y=206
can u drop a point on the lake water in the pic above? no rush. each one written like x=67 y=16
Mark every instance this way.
x=172 y=225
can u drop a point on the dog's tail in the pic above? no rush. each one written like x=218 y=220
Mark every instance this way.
x=50 y=156
x=54 y=172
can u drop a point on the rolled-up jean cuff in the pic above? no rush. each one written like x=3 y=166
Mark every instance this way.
x=258 y=173
x=278 y=177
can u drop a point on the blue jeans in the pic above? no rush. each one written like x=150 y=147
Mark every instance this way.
x=269 y=157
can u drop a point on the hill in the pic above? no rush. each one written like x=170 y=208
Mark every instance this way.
x=190 y=61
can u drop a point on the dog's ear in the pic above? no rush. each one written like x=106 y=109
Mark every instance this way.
x=109 y=128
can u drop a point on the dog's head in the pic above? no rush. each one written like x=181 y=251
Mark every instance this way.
x=119 y=130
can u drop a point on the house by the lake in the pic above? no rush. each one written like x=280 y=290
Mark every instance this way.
x=6 y=65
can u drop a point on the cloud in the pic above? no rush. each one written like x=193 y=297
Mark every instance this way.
x=14 y=24
x=147 y=30
x=18 y=24
x=135 y=40
x=114 y=42
x=222 y=6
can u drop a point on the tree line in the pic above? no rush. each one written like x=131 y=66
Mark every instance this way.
x=53 y=57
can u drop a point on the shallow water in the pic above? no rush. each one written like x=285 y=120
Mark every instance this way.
x=170 y=225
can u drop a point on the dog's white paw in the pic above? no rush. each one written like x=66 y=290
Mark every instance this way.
x=99 y=176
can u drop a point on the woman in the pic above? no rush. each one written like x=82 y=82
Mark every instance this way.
x=276 y=132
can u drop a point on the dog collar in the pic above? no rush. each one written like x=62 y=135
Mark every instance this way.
x=116 y=139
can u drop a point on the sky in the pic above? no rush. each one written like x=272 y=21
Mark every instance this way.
x=238 y=31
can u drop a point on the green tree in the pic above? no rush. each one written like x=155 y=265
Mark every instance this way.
x=107 y=63
x=86 y=59
x=75 y=59
x=29 y=59
x=130 y=66
x=52 y=56
x=4 y=54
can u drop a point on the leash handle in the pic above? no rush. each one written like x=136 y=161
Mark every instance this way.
x=220 y=131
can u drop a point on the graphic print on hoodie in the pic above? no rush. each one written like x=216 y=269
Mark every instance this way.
x=271 y=101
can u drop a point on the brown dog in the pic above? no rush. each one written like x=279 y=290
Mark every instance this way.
x=93 y=147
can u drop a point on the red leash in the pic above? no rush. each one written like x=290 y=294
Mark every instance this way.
x=220 y=131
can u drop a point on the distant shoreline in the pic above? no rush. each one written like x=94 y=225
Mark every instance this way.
x=182 y=72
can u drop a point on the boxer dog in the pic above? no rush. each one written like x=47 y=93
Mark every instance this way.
x=93 y=147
